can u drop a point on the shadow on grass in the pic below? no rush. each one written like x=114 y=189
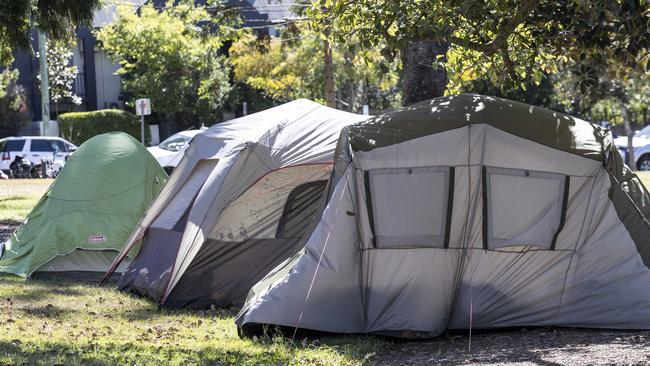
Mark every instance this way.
x=18 y=352
x=154 y=310
x=46 y=311
x=37 y=290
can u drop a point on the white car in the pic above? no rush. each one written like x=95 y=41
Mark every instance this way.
x=641 y=144
x=169 y=152
x=35 y=149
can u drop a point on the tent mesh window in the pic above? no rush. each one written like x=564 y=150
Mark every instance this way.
x=522 y=207
x=409 y=206
x=280 y=205
x=300 y=208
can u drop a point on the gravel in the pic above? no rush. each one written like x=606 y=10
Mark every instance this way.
x=542 y=346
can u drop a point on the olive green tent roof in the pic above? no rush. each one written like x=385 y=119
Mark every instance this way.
x=546 y=127
x=94 y=204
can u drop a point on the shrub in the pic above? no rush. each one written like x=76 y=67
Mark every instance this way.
x=78 y=127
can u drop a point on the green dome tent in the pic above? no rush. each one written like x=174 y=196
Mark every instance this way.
x=89 y=211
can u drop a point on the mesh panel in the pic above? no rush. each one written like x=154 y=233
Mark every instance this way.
x=300 y=209
x=409 y=206
x=524 y=207
x=257 y=213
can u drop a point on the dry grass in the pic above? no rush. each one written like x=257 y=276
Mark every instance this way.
x=18 y=196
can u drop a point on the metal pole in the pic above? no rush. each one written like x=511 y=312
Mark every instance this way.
x=45 y=84
x=142 y=127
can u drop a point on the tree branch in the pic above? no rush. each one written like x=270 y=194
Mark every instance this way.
x=500 y=40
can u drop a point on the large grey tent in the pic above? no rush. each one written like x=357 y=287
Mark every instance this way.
x=468 y=211
x=236 y=205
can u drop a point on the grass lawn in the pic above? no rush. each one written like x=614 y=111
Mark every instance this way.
x=67 y=323
x=47 y=322
x=18 y=196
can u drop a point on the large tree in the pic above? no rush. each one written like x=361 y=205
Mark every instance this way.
x=172 y=56
x=293 y=66
x=603 y=85
x=57 y=19
x=505 y=41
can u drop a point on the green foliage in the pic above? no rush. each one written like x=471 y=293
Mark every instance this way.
x=172 y=57
x=58 y=19
x=596 y=89
x=292 y=67
x=78 y=127
x=13 y=104
x=504 y=41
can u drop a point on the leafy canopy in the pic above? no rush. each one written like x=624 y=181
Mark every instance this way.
x=292 y=67
x=57 y=18
x=13 y=103
x=172 y=57
x=506 y=41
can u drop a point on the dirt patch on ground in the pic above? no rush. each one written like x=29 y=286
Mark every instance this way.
x=7 y=227
x=526 y=347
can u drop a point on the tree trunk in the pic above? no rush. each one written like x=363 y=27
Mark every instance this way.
x=631 y=161
x=352 y=100
x=330 y=96
x=421 y=79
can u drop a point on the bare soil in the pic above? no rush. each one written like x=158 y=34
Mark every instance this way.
x=525 y=347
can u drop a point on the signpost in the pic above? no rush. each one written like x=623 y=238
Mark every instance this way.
x=142 y=108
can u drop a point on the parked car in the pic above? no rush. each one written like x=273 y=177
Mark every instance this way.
x=169 y=152
x=641 y=143
x=34 y=149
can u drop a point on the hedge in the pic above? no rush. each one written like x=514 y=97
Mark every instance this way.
x=78 y=127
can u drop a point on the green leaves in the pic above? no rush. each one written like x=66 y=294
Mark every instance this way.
x=56 y=18
x=505 y=41
x=292 y=67
x=171 y=56
x=13 y=103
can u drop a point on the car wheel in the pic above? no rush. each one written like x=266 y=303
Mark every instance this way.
x=644 y=162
